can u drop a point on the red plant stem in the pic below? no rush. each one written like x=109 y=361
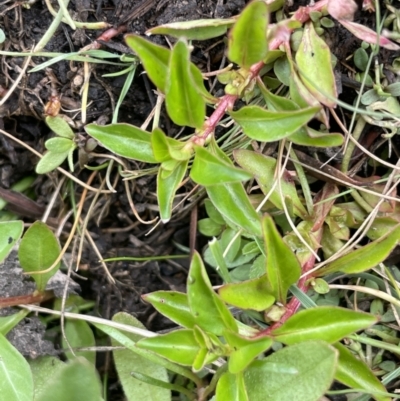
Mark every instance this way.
x=26 y=299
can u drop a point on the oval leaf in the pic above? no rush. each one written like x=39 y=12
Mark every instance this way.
x=208 y=169
x=269 y=126
x=10 y=233
x=201 y=29
x=127 y=361
x=315 y=66
x=59 y=145
x=184 y=104
x=38 y=250
x=124 y=140
x=50 y=161
x=154 y=58
x=60 y=127
x=231 y=387
x=364 y=258
x=310 y=370
x=354 y=373
x=76 y=380
x=179 y=346
x=173 y=305
x=283 y=268
x=16 y=382
x=209 y=310
x=248 y=37
x=326 y=323
x=251 y=294
x=167 y=187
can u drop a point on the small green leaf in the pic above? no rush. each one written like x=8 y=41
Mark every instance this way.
x=208 y=169
x=307 y=136
x=354 y=373
x=315 y=66
x=127 y=361
x=174 y=305
x=7 y=323
x=16 y=382
x=10 y=233
x=50 y=161
x=60 y=127
x=252 y=294
x=184 y=104
x=231 y=387
x=201 y=29
x=361 y=59
x=232 y=202
x=179 y=346
x=283 y=268
x=263 y=169
x=246 y=352
x=326 y=323
x=124 y=140
x=310 y=369
x=79 y=335
x=59 y=145
x=209 y=227
x=248 y=38
x=209 y=310
x=269 y=126
x=155 y=59
x=364 y=258
x=213 y=213
x=38 y=250
x=282 y=70
x=76 y=380
x=165 y=148
x=167 y=185
x=43 y=368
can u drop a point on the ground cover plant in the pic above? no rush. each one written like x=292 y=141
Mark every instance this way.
x=295 y=179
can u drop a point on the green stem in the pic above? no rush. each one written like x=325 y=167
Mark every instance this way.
x=351 y=145
x=359 y=199
x=376 y=343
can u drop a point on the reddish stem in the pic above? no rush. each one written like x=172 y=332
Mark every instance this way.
x=26 y=299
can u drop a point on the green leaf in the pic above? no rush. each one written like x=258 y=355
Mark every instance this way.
x=167 y=187
x=248 y=38
x=326 y=323
x=209 y=227
x=246 y=350
x=174 y=305
x=16 y=382
x=50 y=161
x=315 y=67
x=10 y=233
x=283 y=268
x=43 y=368
x=201 y=29
x=59 y=145
x=38 y=250
x=307 y=136
x=7 y=323
x=231 y=387
x=252 y=294
x=60 y=127
x=263 y=169
x=208 y=169
x=77 y=380
x=165 y=148
x=354 y=373
x=184 y=104
x=364 y=258
x=179 y=346
x=233 y=203
x=209 y=310
x=127 y=361
x=213 y=213
x=155 y=59
x=124 y=140
x=269 y=126
x=79 y=335
x=311 y=367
